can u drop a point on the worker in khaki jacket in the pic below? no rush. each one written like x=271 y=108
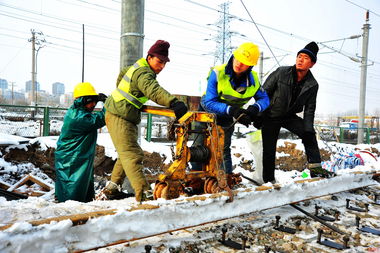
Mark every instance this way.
x=135 y=85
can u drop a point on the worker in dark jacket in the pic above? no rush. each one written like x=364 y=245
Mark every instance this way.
x=135 y=85
x=231 y=86
x=291 y=89
x=74 y=156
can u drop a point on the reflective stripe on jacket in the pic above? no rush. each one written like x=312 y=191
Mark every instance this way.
x=226 y=91
x=123 y=88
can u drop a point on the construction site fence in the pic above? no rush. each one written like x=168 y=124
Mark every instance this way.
x=31 y=121
x=347 y=135
x=36 y=121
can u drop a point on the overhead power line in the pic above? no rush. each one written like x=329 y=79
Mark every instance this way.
x=362 y=8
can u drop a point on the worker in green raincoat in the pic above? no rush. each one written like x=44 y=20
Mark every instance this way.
x=74 y=156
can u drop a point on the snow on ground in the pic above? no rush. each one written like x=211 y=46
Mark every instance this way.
x=164 y=215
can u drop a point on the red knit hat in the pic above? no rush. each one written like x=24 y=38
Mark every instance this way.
x=160 y=49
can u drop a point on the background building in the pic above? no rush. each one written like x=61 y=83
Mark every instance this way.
x=58 y=89
x=3 y=84
x=29 y=86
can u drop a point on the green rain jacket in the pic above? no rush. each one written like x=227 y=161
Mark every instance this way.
x=74 y=156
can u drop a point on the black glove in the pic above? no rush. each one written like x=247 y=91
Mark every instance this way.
x=240 y=114
x=102 y=97
x=179 y=109
x=258 y=121
x=253 y=110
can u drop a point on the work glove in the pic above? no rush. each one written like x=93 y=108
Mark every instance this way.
x=240 y=115
x=102 y=97
x=179 y=109
x=252 y=111
x=258 y=121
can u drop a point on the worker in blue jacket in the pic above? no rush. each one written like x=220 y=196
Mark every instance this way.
x=230 y=86
x=74 y=156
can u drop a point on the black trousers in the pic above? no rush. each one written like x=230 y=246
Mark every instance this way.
x=270 y=131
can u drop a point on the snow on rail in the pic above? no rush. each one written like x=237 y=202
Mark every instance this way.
x=133 y=221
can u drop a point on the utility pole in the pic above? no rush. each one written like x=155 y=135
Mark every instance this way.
x=363 y=79
x=36 y=41
x=132 y=34
x=33 y=40
x=12 y=83
x=132 y=31
x=261 y=67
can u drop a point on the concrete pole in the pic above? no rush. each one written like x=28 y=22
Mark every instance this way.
x=363 y=79
x=132 y=31
x=132 y=35
x=12 y=83
x=261 y=67
x=33 y=40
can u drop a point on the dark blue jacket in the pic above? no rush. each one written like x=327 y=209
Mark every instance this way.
x=212 y=103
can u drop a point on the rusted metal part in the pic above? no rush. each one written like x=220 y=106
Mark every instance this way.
x=332 y=244
x=322 y=217
x=211 y=168
x=365 y=229
x=283 y=228
x=318 y=219
x=232 y=244
x=223 y=185
x=348 y=206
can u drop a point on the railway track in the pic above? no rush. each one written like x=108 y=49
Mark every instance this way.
x=121 y=225
x=279 y=229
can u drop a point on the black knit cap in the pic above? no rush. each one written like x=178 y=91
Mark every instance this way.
x=311 y=50
x=160 y=49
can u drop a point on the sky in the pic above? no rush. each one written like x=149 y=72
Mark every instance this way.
x=171 y=214
x=280 y=28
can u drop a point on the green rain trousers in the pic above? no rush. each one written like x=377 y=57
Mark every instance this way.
x=124 y=136
x=74 y=156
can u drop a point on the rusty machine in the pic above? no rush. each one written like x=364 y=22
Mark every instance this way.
x=178 y=179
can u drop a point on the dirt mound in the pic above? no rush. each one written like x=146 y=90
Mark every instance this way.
x=33 y=154
x=295 y=159
x=103 y=165
x=291 y=158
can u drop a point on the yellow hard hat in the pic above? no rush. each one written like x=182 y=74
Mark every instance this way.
x=247 y=53
x=84 y=89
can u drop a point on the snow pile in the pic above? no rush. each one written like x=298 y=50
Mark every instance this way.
x=128 y=221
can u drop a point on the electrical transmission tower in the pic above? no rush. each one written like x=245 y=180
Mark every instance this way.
x=223 y=39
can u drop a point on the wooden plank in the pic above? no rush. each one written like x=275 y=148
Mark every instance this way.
x=39 y=182
x=19 y=183
x=77 y=219
x=4 y=185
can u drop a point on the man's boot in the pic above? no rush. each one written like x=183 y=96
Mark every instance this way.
x=112 y=191
x=144 y=195
x=316 y=170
